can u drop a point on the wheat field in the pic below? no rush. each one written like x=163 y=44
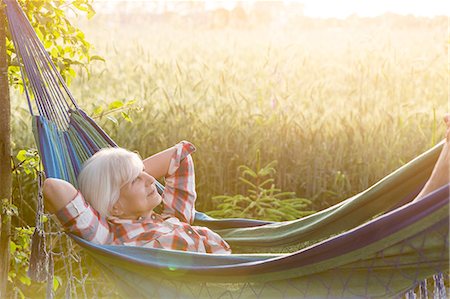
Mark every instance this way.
x=339 y=106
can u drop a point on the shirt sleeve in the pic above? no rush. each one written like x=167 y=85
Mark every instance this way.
x=179 y=194
x=79 y=218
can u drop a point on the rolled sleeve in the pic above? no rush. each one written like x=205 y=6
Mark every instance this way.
x=184 y=148
x=79 y=218
x=72 y=210
x=179 y=195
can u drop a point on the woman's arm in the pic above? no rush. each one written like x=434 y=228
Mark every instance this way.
x=57 y=194
x=158 y=165
x=76 y=216
x=179 y=194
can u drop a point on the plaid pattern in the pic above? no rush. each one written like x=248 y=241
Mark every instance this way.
x=170 y=230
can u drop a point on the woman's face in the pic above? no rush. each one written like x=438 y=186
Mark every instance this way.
x=137 y=198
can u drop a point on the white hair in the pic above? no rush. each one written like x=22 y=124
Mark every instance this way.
x=105 y=173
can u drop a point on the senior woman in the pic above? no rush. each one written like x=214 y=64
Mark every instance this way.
x=117 y=196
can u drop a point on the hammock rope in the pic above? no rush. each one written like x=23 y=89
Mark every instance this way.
x=37 y=269
x=350 y=254
x=45 y=83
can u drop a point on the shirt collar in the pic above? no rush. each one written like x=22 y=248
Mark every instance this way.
x=152 y=218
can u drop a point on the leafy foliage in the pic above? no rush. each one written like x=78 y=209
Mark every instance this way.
x=116 y=108
x=264 y=201
x=24 y=170
x=68 y=48
x=28 y=162
x=20 y=250
x=65 y=43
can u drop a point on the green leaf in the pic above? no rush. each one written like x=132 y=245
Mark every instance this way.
x=12 y=247
x=130 y=103
x=11 y=274
x=98 y=110
x=80 y=34
x=21 y=155
x=96 y=57
x=44 y=218
x=47 y=43
x=56 y=283
x=72 y=72
x=126 y=117
x=115 y=105
x=25 y=280
x=54 y=52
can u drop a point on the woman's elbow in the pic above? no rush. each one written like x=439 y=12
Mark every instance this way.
x=57 y=194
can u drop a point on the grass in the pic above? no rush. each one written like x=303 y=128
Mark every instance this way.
x=330 y=104
x=339 y=107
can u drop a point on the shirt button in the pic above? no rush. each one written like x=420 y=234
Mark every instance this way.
x=153 y=217
x=190 y=232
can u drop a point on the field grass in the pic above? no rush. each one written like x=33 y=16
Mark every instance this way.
x=338 y=107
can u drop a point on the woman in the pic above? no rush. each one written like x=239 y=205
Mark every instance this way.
x=122 y=195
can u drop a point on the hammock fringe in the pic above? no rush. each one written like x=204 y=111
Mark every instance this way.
x=38 y=268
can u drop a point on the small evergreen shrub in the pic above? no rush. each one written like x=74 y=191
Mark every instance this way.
x=262 y=200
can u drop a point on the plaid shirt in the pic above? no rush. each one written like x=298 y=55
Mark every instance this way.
x=169 y=230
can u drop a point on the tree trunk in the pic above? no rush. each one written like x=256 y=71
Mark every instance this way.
x=5 y=158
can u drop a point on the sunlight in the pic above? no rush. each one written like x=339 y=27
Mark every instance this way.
x=345 y=8
x=311 y=8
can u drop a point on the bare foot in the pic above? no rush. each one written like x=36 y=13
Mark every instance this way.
x=441 y=172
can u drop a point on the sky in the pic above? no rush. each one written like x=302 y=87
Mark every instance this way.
x=342 y=8
x=370 y=8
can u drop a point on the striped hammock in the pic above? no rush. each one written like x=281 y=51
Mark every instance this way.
x=374 y=244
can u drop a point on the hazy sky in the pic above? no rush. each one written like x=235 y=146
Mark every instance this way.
x=325 y=8
x=344 y=8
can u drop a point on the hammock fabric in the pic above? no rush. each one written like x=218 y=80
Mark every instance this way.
x=349 y=250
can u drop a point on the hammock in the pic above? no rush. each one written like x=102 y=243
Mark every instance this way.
x=349 y=249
